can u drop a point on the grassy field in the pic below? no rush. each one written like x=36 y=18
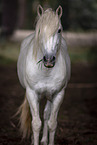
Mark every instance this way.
x=9 y=52
x=83 y=54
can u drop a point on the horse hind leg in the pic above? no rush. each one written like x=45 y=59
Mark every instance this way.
x=47 y=111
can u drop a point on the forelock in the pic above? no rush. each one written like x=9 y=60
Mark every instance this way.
x=48 y=23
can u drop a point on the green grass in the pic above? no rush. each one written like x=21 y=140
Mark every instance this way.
x=4 y=60
x=9 y=52
x=88 y=54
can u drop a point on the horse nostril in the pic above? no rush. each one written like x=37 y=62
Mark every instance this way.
x=54 y=58
x=44 y=59
x=49 y=58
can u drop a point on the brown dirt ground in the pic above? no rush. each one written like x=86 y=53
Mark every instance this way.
x=77 y=120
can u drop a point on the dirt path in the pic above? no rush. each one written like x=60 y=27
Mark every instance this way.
x=77 y=121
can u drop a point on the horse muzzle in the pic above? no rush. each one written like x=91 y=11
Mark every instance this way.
x=49 y=61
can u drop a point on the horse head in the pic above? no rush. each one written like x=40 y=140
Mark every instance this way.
x=48 y=34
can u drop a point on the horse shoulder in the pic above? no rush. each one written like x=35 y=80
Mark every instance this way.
x=25 y=45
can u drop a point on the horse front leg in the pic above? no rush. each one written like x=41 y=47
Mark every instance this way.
x=52 y=122
x=47 y=111
x=34 y=107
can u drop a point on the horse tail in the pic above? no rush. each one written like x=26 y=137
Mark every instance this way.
x=25 y=118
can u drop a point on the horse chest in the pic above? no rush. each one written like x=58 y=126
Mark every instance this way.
x=45 y=81
x=48 y=85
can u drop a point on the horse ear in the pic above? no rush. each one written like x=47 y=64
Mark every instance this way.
x=40 y=10
x=59 y=11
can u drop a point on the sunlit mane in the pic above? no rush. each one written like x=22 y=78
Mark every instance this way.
x=46 y=26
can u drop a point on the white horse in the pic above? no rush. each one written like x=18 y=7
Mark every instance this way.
x=43 y=70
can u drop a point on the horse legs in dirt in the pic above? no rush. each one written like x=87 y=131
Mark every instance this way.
x=47 y=111
x=34 y=107
x=52 y=122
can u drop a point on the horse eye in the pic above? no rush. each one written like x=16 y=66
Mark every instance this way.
x=59 y=30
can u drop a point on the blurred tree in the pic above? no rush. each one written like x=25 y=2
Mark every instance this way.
x=65 y=17
x=83 y=14
x=0 y=11
x=77 y=14
x=88 y=16
x=9 y=17
x=29 y=15
x=22 y=9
